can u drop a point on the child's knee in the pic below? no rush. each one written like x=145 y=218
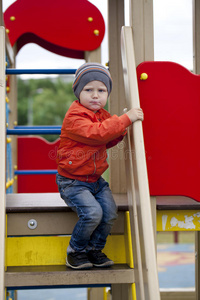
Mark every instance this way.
x=96 y=215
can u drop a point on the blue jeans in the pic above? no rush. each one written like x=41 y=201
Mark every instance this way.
x=94 y=204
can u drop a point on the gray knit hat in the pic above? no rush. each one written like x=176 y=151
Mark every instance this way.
x=89 y=72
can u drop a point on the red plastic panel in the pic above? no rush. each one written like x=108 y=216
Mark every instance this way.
x=64 y=27
x=35 y=153
x=170 y=98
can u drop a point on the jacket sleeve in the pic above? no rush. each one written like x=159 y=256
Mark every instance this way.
x=84 y=130
x=116 y=141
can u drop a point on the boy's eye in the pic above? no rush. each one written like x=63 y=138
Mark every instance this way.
x=102 y=90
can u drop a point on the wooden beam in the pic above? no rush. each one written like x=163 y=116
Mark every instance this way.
x=122 y=291
x=2 y=160
x=117 y=97
x=196 y=36
x=1 y=14
x=141 y=20
x=93 y=56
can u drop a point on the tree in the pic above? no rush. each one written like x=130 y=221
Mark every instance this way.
x=46 y=99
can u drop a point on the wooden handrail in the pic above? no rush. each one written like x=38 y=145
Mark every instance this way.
x=147 y=286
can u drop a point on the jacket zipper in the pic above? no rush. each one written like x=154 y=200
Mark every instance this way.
x=95 y=167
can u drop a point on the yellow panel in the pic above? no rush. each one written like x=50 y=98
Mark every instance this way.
x=115 y=249
x=38 y=251
x=104 y=294
x=6 y=235
x=133 y=292
x=128 y=240
x=178 y=220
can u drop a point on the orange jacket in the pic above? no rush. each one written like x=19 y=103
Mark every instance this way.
x=84 y=138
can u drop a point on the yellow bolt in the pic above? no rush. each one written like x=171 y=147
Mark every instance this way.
x=15 y=177
x=8 y=140
x=143 y=76
x=7 y=89
x=15 y=167
x=12 y=18
x=96 y=32
x=15 y=123
x=90 y=19
x=7 y=30
x=7 y=125
x=7 y=100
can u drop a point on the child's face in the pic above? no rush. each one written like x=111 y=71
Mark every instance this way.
x=94 y=95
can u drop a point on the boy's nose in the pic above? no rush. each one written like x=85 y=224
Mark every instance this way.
x=95 y=94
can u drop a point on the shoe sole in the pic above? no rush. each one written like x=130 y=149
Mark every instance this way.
x=83 y=266
x=104 y=265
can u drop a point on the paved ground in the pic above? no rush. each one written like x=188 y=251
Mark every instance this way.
x=176 y=265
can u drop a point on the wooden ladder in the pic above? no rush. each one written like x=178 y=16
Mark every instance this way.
x=38 y=232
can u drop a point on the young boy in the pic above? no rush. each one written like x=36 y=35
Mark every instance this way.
x=87 y=132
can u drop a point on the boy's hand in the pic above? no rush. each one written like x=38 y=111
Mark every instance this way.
x=135 y=114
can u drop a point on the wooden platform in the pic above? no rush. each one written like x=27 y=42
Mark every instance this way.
x=176 y=203
x=49 y=210
x=53 y=276
x=46 y=202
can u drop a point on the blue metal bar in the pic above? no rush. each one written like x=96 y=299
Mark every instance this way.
x=40 y=71
x=59 y=286
x=38 y=127
x=32 y=131
x=35 y=172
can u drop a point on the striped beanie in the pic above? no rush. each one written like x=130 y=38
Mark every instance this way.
x=89 y=72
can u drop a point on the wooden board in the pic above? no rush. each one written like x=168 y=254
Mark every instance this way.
x=47 y=202
x=147 y=286
x=62 y=276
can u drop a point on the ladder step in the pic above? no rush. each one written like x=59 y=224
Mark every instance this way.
x=62 y=276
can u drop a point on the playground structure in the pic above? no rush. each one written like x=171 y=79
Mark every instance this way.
x=134 y=197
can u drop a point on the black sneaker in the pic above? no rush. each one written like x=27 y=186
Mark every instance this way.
x=78 y=260
x=99 y=259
